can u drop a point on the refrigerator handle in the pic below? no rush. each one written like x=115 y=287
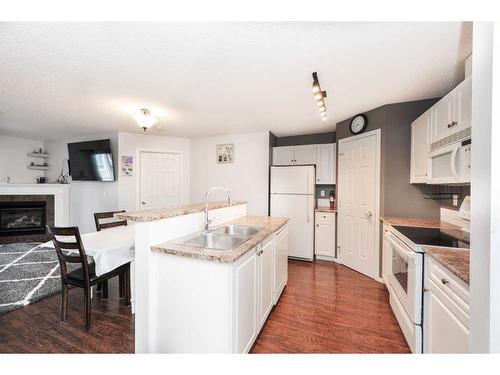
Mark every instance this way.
x=307 y=208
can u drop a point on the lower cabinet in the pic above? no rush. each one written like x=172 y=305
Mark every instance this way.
x=446 y=311
x=265 y=264
x=245 y=303
x=280 y=274
x=324 y=234
x=254 y=288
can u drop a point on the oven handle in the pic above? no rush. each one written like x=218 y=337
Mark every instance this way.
x=396 y=246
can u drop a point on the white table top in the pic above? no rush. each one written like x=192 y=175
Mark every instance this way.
x=110 y=248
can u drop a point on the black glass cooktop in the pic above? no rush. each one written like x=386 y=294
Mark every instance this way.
x=431 y=237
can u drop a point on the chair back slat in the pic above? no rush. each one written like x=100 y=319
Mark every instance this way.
x=108 y=215
x=77 y=244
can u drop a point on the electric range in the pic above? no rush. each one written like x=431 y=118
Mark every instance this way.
x=416 y=237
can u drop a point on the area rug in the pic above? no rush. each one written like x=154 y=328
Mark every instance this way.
x=28 y=273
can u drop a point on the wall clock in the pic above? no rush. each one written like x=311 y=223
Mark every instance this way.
x=358 y=124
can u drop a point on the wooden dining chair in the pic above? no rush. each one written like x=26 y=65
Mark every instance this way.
x=84 y=276
x=98 y=216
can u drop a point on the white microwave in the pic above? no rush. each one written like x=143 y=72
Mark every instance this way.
x=450 y=164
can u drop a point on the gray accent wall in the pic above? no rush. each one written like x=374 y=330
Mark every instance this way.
x=306 y=139
x=398 y=196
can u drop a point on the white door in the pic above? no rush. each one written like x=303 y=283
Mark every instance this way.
x=265 y=262
x=283 y=155
x=304 y=155
x=442 y=117
x=463 y=105
x=160 y=180
x=280 y=263
x=443 y=331
x=324 y=239
x=358 y=202
x=325 y=164
x=419 y=148
x=299 y=209
x=246 y=303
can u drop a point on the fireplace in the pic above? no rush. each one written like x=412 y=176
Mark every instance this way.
x=22 y=218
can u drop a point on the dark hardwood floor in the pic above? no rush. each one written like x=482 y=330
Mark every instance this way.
x=36 y=328
x=326 y=308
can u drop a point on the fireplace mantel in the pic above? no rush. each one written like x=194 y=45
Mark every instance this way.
x=59 y=191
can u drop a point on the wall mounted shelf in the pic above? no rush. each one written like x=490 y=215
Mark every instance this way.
x=38 y=155
x=39 y=167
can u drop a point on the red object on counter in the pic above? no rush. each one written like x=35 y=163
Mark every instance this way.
x=332 y=200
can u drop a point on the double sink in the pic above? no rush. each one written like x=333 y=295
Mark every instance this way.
x=224 y=238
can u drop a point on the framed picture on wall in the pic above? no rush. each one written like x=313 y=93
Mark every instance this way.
x=127 y=165
x=225 y=153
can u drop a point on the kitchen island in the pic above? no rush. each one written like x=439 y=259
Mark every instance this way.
x=197 y=299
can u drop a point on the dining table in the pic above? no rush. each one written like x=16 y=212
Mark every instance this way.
x=110 y=248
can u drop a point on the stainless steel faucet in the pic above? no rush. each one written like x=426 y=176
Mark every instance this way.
x=229 y=201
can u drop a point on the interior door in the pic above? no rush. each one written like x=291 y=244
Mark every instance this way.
x=160 y=180
x=358 y=211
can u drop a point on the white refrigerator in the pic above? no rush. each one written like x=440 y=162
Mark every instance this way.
x=292 y=196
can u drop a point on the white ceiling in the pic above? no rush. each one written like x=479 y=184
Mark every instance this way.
x=67 y=79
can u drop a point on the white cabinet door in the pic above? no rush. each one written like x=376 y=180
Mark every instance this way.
x=324 y=239
x=325 y=164
x=280 y=262
x=245 y=303
x=283 y=155
x=463 y=105
x=443 y=331
x=265 y=266
x=304 y=154
x=419 y=148
x=442 y=117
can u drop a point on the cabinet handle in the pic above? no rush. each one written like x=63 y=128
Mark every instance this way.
x=444 y=281
x=425 y=290
x=453 y=123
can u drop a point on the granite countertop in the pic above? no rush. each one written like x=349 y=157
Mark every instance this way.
x=418 y=222
x=455 y=260
x=165 y=213
x=325 y=209
x=269 y=225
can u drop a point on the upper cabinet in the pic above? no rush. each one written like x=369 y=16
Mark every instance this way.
x=283 y=155
x=304 y=155
x=419 y=148
x=440 y=140
x=322 y=155
x=452 y=113
x=294 y=155
x=325 y=164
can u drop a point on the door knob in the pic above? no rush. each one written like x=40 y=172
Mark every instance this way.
x=368 y=214
x=143 y=202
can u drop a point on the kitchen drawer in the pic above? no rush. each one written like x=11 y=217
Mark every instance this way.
x=329 y=216
x=451 y=285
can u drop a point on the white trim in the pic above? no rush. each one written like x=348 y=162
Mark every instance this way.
x=376 y=216
x=138 y=152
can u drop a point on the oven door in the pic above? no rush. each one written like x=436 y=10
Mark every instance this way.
x=405 y=277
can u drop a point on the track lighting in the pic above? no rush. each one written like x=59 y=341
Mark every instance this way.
x=319 y=95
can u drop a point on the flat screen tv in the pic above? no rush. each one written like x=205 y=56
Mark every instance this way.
x=91 y=161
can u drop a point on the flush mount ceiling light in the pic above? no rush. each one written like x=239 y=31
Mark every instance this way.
x=319 y=95
x=144 y=119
